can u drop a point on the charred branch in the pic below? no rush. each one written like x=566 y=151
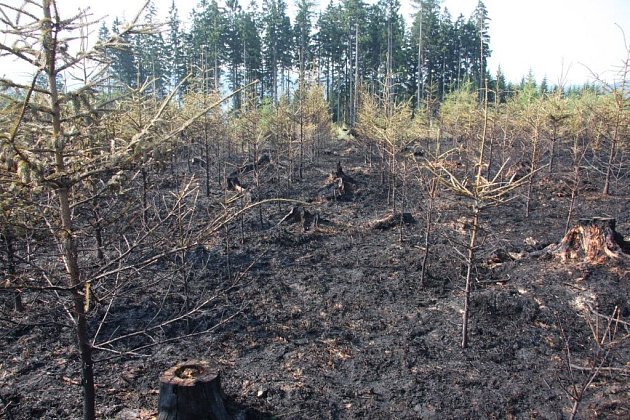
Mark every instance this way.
x=392 y=220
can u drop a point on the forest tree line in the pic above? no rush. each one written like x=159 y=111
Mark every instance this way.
x=346 y=45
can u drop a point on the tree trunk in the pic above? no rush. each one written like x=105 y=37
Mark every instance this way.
x=66 y=234
x=11 y=267
x=191 y=391
x=79 y=298
x=433 y=186
x=469 y=273
x=532 y=169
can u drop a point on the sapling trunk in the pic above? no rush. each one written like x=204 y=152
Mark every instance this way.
x=206 y=153
x=470 y=260
x=392 y=179
x=490 y=156
x=574 y=194
x=427 y=232
x=67 y=231
x=382 y=167
x=552 y=158
x=476 y=208
x=532 y=169
x=290 y=162
x=438 y=141
x=621 y=103
x=301 y=111
x=219 y=162
x=611 y=159
x=145 y=187
x=11 y=265
x=71 y=260
x=98 y=236
x=491 y=146
x=227 y=252
x=402 y=201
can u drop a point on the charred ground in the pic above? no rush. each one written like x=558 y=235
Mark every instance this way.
x=331 y=321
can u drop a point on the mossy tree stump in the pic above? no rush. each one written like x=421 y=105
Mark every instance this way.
x=593 y=240
x=191 y=391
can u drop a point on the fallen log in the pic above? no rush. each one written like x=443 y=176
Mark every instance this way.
x=593 y=240
x=392 y=220
x=191 y=390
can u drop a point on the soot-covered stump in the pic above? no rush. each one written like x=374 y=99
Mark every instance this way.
x=298 y=214
x=191 y=391
x=593 y=240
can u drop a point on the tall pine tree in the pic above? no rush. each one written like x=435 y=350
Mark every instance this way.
x=123 y=62
x=175 y=67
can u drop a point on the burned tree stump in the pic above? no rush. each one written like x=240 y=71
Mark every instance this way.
x=232 y=180
x=338 y=186
x=298 y=214
x=233 y=184
x=191 y=391
x=593 y=240
x=339 y=173
x=335 y=189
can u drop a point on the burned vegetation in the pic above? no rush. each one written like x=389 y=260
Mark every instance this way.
x=306 y=296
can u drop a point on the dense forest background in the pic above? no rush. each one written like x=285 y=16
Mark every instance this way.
x=344 y=46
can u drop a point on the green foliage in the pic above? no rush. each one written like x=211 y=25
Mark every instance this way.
x=389 y=124
x=460 y=114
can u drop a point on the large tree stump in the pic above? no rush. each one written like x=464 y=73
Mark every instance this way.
x=234 y=184
x=338 y=186
x=593 y=240
x=191 y=391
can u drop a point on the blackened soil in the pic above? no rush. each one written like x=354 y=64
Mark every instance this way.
x=332 y=322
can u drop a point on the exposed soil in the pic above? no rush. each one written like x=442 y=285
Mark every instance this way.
x=331 y=321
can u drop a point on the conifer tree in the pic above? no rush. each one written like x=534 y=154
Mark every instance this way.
x=330 y=52
x=207 y=41
x=176 y=64
x=122 y=56
x=59 y=158
x=233 y=39
x=302 y=32
x=276 y=45
x=151 y=50
x=252 y=44
x=481 y=19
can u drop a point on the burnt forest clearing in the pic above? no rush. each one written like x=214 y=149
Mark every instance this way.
x=397 y=252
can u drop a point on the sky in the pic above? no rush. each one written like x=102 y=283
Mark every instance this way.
x=566 y=41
